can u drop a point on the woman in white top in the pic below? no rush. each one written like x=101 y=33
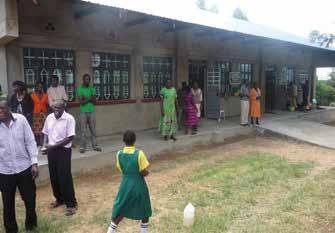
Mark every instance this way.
x=197 y=97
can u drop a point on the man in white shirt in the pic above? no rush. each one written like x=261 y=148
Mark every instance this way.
x=18 y=167
x=59 y=131
x=245 y=105
x=56 y=91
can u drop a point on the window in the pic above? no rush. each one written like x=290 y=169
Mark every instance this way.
x=288 y=75
x=40 y=63
x=246 y=72
x=156 y=70
x=225 y=68
x=111 y=76
x=303 y=76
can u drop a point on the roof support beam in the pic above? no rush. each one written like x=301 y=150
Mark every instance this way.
x=138 y=21
x=176 y=28
x=86 y=11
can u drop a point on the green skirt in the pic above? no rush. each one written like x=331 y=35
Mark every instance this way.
x=132 y=200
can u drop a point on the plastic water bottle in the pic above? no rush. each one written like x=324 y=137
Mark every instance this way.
x=189 y=214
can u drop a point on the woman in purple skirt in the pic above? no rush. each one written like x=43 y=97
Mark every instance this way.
x=191 y=118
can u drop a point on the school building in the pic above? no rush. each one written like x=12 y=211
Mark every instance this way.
x=130 y=51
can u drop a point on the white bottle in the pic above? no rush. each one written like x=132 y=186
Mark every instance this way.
x=189 y=214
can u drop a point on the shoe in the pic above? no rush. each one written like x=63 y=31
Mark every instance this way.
x=70 y=211
x=165 y=138
x=82 y=150
x=257 y=123
x=56 y=204
x=173 y=138
x=97 y=149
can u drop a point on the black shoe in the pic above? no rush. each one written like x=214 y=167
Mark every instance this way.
x=82 y=150
x=165 y=138
x=173 y=138
x=97 y=149
x=257 y=123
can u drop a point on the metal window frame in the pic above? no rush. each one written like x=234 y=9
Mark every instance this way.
x=303 y=76
x=288 y=75
x=39 y=60
x=246 y=70
x=156 y=70
x=121 y=64
x=225 y=86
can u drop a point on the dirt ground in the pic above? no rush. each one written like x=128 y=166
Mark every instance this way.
x=96 y=192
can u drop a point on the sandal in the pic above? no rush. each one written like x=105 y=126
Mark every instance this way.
x=70 y=211
x=56 y=204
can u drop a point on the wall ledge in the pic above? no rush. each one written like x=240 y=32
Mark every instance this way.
x=150 y=100
x=105 y=102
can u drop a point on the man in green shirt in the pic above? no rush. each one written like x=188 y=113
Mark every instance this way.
x=86 y=96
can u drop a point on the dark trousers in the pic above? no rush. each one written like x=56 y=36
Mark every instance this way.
x=59 y=162
x=27 y=188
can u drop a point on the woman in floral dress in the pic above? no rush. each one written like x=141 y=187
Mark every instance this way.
x=168 y=104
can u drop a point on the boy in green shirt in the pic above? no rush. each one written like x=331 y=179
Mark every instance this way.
x=86 y=96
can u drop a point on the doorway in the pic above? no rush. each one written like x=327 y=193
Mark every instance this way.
x=197 y=73
x=270 y=88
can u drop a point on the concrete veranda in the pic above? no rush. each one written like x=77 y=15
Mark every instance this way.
x=309 y=127
x=152 y=143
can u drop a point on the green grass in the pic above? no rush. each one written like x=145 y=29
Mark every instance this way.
x=253 y=193
x=166 y=165
x=51 y=224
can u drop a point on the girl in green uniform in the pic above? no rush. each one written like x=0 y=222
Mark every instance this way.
x=132 y=200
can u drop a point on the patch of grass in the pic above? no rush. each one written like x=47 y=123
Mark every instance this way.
x=253 y=193
x=305 y=206
x=229 y=190
x=174 y=163
x=52 y=224
x=102 y=217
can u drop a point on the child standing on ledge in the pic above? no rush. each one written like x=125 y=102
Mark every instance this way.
x=132 y=200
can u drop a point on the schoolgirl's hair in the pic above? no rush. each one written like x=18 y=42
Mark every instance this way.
x=129 y=137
